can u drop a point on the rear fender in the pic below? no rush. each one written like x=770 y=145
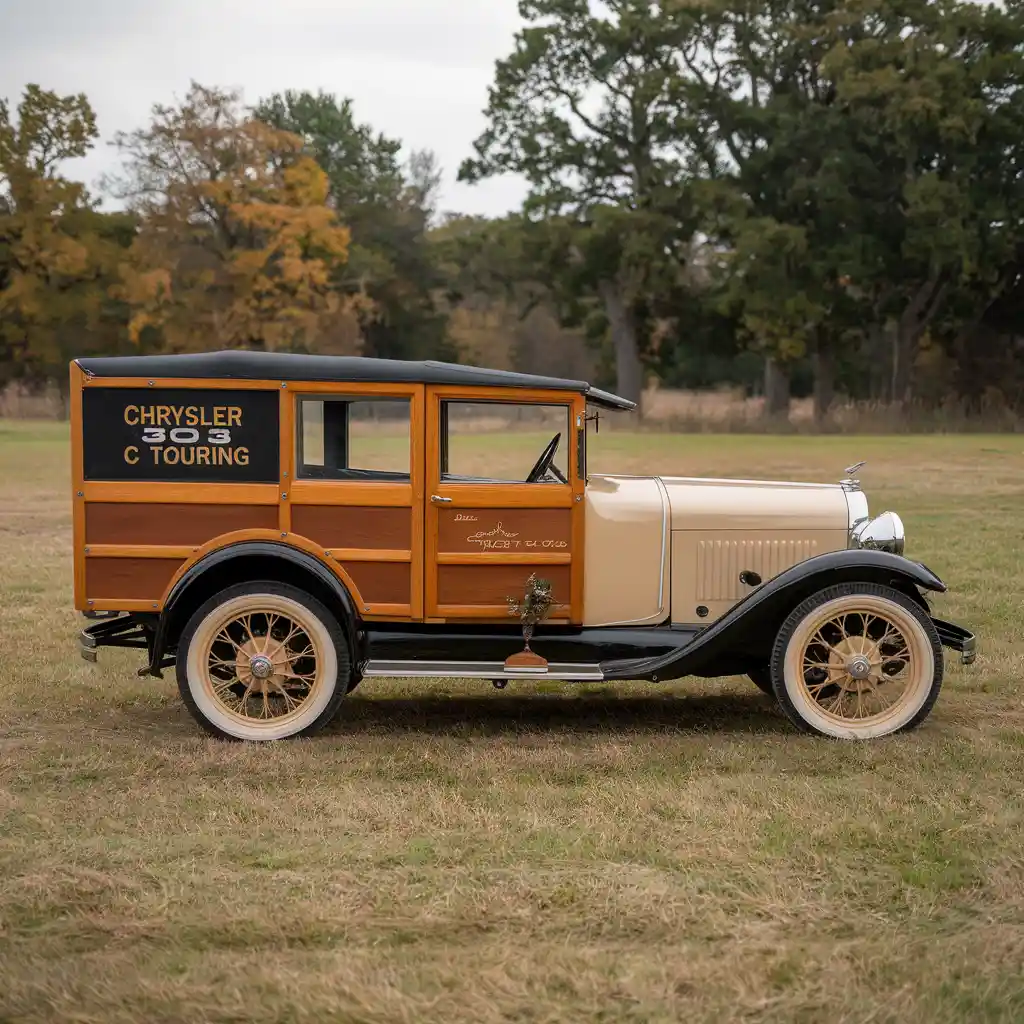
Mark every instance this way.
x=245 y=562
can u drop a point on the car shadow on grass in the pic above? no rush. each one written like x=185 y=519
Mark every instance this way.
x=507 y=713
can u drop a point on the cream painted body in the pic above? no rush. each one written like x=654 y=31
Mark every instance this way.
x=659 y=548
x=626 y=564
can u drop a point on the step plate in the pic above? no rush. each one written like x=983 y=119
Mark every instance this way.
x=480 y=670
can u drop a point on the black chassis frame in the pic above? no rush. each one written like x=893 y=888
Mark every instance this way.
x=739 y=642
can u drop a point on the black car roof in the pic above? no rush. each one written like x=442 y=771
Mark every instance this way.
x=285 y=366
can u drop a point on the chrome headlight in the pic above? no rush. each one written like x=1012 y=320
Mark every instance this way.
x=883 y=533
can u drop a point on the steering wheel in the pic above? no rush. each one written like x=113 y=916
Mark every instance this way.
x=544 y=464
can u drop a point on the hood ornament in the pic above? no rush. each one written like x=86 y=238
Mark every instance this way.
x=850 y=482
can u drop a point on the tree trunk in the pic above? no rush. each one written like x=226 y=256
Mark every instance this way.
x=628 y=368
x=913 y=322
x=824 y=380
x=776 y=388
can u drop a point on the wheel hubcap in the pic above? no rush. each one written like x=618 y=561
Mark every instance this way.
x=261 y=667
x=858 y=667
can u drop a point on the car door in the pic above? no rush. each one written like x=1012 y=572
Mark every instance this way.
x=487 y=528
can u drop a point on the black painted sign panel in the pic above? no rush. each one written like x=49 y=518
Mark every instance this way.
x=184 y=435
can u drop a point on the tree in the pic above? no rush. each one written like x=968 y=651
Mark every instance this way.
x=387 y=207
x=591 y=110
x=57 y=253
x=866 y=143
x=237 y=244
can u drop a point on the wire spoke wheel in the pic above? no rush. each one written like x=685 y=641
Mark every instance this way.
x=263 y=662
x=858 y=661
x=857 y=665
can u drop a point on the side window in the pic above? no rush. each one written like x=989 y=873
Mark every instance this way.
x=354 y=438
x=505 y=442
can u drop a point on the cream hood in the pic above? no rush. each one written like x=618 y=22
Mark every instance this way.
x=707 y=504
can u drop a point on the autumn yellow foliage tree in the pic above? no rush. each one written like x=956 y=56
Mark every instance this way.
x=237 y=245
x=57 y=253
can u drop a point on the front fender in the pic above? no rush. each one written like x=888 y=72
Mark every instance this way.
x=743 y=637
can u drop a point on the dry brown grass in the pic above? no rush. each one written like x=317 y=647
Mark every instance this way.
x=729 y=410
x=449 y=854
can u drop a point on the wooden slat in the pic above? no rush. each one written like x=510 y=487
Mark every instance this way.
x=361 y=493
x=161 y=492
x=77 y=489
x=286 y=461
x=139 y=551
x=505 y=558
x=370 y=555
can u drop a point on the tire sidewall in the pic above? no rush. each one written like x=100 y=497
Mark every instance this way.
x=329 y=639
x=801 y=708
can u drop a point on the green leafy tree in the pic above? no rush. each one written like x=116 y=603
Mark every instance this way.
x=387 y=206
x=590 y=109
x=867 y=147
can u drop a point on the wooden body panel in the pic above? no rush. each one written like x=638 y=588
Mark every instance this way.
x=401 y=556
x=484 y=539
x=171 y=524
x=134 y=539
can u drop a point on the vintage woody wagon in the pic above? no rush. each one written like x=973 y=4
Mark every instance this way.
x=279 y=527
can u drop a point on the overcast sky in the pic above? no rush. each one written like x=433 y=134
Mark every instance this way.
x=417 y=70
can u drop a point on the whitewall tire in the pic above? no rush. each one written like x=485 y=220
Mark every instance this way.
x=263 y=662
x=857 y=661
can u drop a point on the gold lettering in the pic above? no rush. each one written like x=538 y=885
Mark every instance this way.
x=234 y=416
x=131 y=455
x=188 y=456
x=147 y=416
x=156 y=450
x=218 y=416
x=202 y=456
x=127 y=415
x=176 y=412
x=163 y=415
x=241 y=456
x=191 y=419
x=205 y=421
x=168 y=452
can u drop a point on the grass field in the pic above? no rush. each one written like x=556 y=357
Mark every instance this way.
x=451 y=854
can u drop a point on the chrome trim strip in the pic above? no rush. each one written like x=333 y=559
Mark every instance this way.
x=479 y=670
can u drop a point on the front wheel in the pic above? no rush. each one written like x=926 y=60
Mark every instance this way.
x=263 y=661
x=857 y=661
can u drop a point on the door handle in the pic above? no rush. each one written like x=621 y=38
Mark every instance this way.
x=438 y=500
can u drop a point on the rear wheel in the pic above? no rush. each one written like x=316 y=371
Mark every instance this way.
x=263 y=661
x=857 y=661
